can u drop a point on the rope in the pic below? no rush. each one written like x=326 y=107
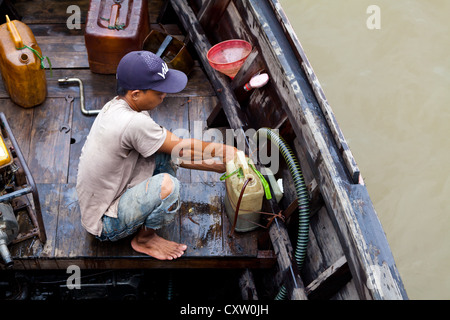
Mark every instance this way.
x=115 y=27
x=42 y=58
x=226 y=176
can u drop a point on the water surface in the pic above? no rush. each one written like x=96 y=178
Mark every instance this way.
x=390 y=91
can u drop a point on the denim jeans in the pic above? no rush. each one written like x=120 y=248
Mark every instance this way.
x=142 y=204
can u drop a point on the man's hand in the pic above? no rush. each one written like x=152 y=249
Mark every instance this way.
x=197 y=154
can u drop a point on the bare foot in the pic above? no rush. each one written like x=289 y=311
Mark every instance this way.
x=148 y=242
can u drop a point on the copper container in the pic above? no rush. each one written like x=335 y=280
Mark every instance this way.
x=114 y=28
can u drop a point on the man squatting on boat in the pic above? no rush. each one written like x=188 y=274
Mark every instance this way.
x=126 y=181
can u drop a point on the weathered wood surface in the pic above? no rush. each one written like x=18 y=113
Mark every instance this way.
x=53 y=158
x=202 y=223
x=247 y=285
x=232 y=109
x=329 y=281
x=51 y=11
x=96 y=85
x=348 y=256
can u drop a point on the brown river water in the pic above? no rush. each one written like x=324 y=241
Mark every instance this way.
x=385 y=69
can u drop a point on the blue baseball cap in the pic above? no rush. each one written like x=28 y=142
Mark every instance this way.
x=141 y=70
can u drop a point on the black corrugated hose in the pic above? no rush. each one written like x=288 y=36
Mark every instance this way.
x=302 y=197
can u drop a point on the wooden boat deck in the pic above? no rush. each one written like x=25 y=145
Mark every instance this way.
x=347 y=257
x=52 y=156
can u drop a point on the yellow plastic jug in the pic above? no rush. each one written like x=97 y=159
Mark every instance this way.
x=238 y=172
x=5 y=156
x=21 y=64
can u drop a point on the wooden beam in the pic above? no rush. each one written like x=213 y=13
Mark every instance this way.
x=247 y=285
x=141 y=262
x=316 y=201
x=236 y=117
x=284 y=252
x=330 y=281
x=211 y=12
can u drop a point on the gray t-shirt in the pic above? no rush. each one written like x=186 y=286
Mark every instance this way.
x=118 y=154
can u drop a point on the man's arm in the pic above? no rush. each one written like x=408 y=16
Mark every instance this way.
x=197 y=154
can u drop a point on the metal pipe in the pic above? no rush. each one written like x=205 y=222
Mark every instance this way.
x=9 y=228
x=5 y=254
x=15 y=194
x=30 y=179
x=68 y=80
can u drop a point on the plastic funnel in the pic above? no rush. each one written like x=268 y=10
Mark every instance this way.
x=229 y=56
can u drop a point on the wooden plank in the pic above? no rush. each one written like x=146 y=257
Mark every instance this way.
x=94 y=84
x=261 y=104
x=81 y=126
x=236 y=117
x=72 y=240
x=347 y=292
x=60 y=29
x=68 y=243
x=330 y=281
x=247 y=285
x=201 y=219
x=323 y=251
x=173 y=114
x=48 y=157
x=55 y=29
x=327 y=238
x=314 y=260
x=198 y=108
x=48 y=11
x=115 y=262
x=284 y=252
x=105 y=85
x=211 y=12
x=205 y=226
x=49 y=196
x=64 y=52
